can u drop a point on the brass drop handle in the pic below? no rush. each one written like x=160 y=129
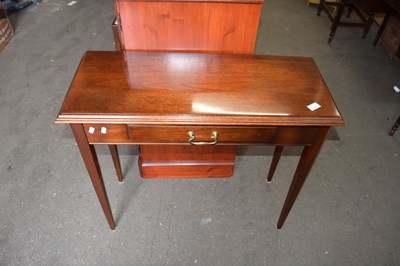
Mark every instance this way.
x=192 y=136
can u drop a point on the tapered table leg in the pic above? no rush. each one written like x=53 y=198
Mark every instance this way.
x=115 y=158
x=274 y=163
x=89 y=156
x=303 y=168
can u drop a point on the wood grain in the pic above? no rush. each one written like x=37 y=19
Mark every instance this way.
x=174 y=134
x=219 y=27
x=198 y=89
x=114 y=134
x=169 y=161
x=227 y=26
x=303 y=168
x=89 y=157
x=117 y=164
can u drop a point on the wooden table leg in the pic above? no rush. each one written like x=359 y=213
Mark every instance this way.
x=303 y=168
x=115 y=158
x=274 y=163
x=89 y=156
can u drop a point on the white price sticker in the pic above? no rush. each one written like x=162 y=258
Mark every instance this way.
x=314 y=106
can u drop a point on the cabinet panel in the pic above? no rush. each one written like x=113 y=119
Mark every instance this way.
x=189 y=26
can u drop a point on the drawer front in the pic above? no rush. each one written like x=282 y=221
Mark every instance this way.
x=225 y=135
x=106 y=133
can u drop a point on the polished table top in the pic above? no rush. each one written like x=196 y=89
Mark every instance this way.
x=198 y=89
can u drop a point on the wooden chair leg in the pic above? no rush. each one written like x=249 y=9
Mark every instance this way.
x=115 y=158
x=349 y=11
x=336 y=21
x=381 y=28
x=394 y=128
x=368 y=25
x=320 y=6
x=274 y=163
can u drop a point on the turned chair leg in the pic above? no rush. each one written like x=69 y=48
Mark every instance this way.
x=336 y=21
x=349 y=11
x=320 y=6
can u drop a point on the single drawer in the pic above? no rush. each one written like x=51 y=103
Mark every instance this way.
x=106 y=133
x=201 y=135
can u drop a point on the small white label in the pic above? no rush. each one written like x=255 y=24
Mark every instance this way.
x=103 y=130
x=72 y=3
x=396 y=89
x=91 y=130
x=314 y=106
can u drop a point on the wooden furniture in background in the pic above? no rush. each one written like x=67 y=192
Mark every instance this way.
x=197 y=98
x=316 y=2
x=223 y=26
x=365 y=10
x=394 y=127
x=392 y=41
x=6 y=31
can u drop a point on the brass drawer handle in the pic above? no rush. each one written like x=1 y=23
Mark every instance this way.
x=192 y=136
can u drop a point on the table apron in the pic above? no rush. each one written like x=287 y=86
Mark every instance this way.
x=226 y=135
